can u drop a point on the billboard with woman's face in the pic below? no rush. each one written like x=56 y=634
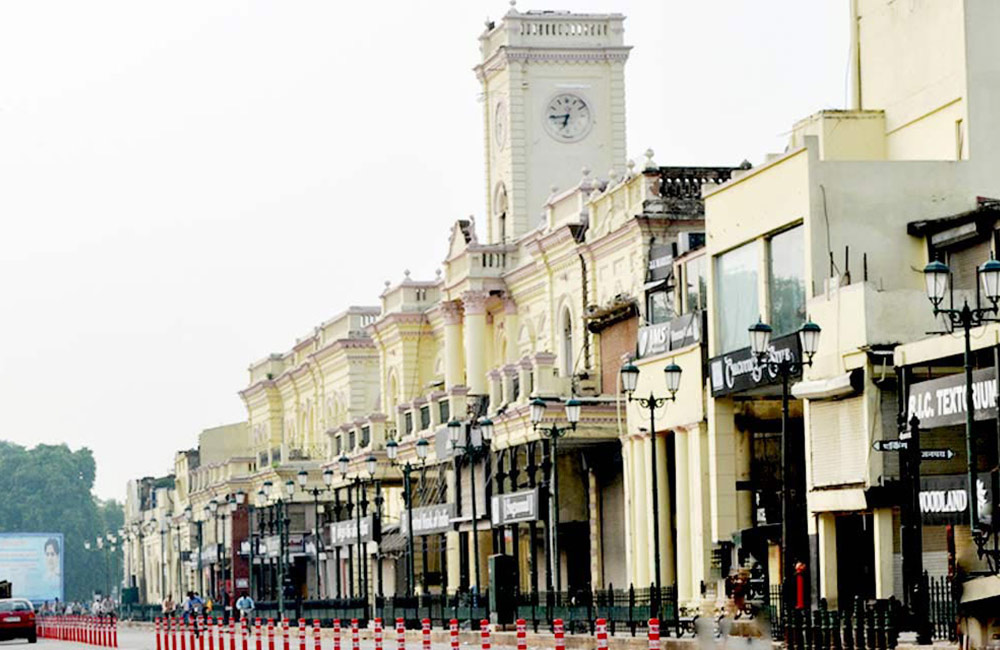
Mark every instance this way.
x=33 y=563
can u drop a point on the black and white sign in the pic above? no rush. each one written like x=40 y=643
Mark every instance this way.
x=514 y=507
x=890 y=445
x=428 y=520
x=739 y=370
x=941 y=402
x=674 y=334
x=936 y=454
x=945 y=499
x=345 y=533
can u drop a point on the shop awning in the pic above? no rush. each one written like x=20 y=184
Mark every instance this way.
x=836 y=387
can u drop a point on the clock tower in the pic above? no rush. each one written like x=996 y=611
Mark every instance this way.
x=553 y=103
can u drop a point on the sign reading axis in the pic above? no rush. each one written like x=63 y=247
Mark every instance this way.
x=902 y=445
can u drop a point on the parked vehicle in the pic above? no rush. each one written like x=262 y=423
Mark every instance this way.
x=17 y=620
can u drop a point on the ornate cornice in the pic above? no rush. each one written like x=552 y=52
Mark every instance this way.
x=475 y=302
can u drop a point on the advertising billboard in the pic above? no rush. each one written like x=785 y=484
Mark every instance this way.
x=33 y=563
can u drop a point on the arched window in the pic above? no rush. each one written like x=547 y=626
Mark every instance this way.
x=500 y=209
x=567 y=336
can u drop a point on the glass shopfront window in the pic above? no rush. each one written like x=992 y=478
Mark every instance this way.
x=786 y=281
x=736 y=306
x=659 y=306
x=696 y=297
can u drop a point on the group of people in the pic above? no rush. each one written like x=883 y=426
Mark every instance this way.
x=99 y=607
x=193 y=607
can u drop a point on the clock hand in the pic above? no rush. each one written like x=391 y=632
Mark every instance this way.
x=565 y=117
x=565 y=120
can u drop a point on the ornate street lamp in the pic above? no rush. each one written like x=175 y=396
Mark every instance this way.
x=392 y=450
x=473 y=453
x=672 y=379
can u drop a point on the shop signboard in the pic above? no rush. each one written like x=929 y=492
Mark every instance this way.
x=428 y=520
x=674 y=334
x=941 y=402
x=515 y=507
x=944 y=499
x=739 y=370
x=345 y=533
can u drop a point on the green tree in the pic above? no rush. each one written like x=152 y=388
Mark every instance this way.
x=49 y=489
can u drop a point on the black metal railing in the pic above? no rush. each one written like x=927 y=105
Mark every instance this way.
x=438 y=608
x=623 y=609
x=943 y=608
x=867 y=625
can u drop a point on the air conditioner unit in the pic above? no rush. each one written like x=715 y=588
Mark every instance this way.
x=689 y=241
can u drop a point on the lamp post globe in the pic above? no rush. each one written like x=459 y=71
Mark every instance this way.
x=344 y=462
x=391 y=450
x=573 y=411
x=989 y=276
x=289 y=487
x=371 y=464
x=327 y=477
x=809 y=338
x=630 y=377
x=760 y=338
x=241 y=497
x=486 y=429
x=302 y=477
x=454 y=431
x=537 y=410
x=422 y=446
x=672 y=375
x=936 y=280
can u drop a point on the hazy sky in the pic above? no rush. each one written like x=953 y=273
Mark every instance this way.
x=188 y=186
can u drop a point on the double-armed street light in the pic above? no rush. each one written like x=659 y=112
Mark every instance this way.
x=937 y=277
x=553 y=432
x=303 y=478
x=392 y=450
x=630 y=380
x=358 y=483
x=280 y=501
x=785 y=366
x=473 y=452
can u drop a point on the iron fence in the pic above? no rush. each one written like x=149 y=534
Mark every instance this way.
x=623 y=609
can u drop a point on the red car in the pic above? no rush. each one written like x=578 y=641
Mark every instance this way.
x=17 y=620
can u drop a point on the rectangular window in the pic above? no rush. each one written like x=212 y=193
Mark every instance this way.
x=350 y=440
x=659 y=306
x=696 y=297
x=443 y=410
x=516 y=387
x=736 y=305
x=408 y=423
x=366 y=435
x=337 y=446
x=425 y=417
x=786 y=281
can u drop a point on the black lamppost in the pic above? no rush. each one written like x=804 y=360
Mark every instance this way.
x=554 y=432
x=163 y=559
x=358 y=483
x=630 y=379
x=283 y=521
x=391 y=450
x=473 y=453
x=303 y=478
x=938 y=280
x=785 y=366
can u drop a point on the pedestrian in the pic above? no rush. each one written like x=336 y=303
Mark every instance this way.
x=245 y=605
x=168 y=605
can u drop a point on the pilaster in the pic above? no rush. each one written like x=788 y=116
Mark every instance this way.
x=475 y=341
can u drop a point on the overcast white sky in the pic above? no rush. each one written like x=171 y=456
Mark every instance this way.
x=188 y=186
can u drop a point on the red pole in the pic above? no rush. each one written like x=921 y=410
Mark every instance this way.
x=114 y=632
x=800 y=585
x=653 y=635
x=284 y=632
x=559 y=632
x=184 y=631
x=522 y=634
x=484 y=627
x=158 y=633
x=317 y=643
x=355 y=638
x=336 y=634
x=453 y=633
x=302 y=634
x=209 y=629
x=425 y=633
x=244 y=633
x=232 y=632
x=400 y=634
x=270 y=634
x=378 y=634
x=258 y=634
x=220 y=632
x=201 y=633
x=602 y=634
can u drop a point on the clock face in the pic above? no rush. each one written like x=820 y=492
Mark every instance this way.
x=500 y=125
x=567 y=117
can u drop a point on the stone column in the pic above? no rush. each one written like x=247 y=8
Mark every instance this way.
x=510 y=324
x=510 y=373
x=883 y=529
x=596 y=551
x=454 y=363
x=667 y=575
x=827 y=534
x=475 y=341
x=494 y=382
x=525 y=368
x=640 y=514
x=452 y=539
x=685 y=591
